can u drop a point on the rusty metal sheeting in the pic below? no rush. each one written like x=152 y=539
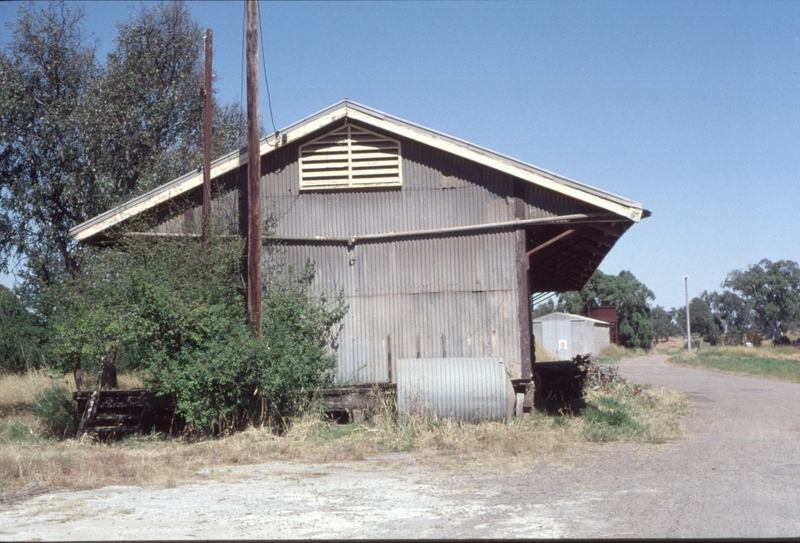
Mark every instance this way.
x=466 y=389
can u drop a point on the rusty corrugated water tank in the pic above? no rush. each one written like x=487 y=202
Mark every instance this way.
x=607 y=313
x=466 y=389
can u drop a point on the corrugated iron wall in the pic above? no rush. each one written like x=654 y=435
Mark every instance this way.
x=439 y=190
x=432 y=297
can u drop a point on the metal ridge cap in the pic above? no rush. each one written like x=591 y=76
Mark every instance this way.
x=492 y=154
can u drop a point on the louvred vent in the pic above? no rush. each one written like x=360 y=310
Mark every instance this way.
x=350 y=156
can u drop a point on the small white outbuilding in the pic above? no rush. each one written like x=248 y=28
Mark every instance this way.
x=565 y=336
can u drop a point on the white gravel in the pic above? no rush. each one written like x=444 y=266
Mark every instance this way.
x=737 y=475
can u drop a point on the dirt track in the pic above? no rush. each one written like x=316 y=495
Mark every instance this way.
x=737 y=475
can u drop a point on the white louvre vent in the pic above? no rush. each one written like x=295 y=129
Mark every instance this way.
x=350 y=156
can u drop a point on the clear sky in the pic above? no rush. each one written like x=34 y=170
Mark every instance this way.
x=692 y=108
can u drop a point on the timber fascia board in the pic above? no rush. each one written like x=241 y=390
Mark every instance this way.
x=350 y=110
x=628 y=209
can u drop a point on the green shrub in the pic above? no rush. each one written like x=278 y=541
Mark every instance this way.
x=608 y=416
x=20 y=337
x=177 y=315
x=53 y=407
x=17 y=432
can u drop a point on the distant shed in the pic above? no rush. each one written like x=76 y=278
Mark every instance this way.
x=566 y=336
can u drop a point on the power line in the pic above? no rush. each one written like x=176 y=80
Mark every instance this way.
x=244 y=34
x=264 y=63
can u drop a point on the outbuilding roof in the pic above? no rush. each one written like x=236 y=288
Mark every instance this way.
x=627 y=209
x=557 y=316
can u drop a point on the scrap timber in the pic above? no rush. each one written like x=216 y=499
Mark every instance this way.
x=116 y=413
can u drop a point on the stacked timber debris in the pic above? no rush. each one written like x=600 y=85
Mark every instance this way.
x=348 y=404
x=560 y=385
x=110 y=414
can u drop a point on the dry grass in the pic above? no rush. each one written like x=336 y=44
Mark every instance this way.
x=167 y=463
x=774 y=362
x=615 y=353
x=673 y=345
x=156 y=462
x=18 y=390
x=777 y=353
x=543 y=355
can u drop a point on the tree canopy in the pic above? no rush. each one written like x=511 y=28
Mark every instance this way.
x=628 y=294
x=664 y=325
x=20 y=337
x=78 y=137
x=772 y=291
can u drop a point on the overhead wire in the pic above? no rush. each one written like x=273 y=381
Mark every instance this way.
x=244 y=53
x=264 y=64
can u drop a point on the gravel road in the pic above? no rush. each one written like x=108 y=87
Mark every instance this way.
x=736 y=475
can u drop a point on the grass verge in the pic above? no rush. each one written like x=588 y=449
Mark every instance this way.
x=613 y=413
x=614 y=353
x=775 y=362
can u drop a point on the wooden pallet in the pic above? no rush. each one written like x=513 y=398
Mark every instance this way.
x=350 y=404
x=116 y=413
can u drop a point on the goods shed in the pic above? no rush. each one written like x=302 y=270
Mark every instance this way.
x=564 y=336
x=437 y=243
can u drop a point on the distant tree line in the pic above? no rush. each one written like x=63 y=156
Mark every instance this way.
x=762 y=301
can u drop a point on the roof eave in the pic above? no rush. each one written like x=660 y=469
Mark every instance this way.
x=351 y=110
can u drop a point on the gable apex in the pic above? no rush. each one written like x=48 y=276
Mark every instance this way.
x=366 y=116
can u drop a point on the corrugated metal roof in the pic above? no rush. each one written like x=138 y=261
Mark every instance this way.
x=347 y=109
x=569 y=316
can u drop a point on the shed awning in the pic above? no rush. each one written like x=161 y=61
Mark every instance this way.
x=563 y=257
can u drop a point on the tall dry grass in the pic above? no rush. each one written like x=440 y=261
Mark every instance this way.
x=155 y=462
x=775 y=362
x=19 y=390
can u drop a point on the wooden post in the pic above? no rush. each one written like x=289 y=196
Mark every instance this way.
x=523 y=287
x=108 y=373
x=206 y=229
x=254 y=224
x=389 y=355
x=77 y=373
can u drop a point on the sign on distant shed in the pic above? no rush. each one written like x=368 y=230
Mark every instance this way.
x=566 y=336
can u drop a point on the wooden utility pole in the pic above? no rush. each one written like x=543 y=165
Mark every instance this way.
x=253 y=174
x=206 y=235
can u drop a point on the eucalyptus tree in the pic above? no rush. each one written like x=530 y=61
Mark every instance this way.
x=631 y=298
x=78 y=136
x=772 y=290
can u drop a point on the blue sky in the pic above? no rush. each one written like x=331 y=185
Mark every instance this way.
x=692 y=108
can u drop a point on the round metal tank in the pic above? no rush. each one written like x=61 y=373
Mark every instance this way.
x=466 y=389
